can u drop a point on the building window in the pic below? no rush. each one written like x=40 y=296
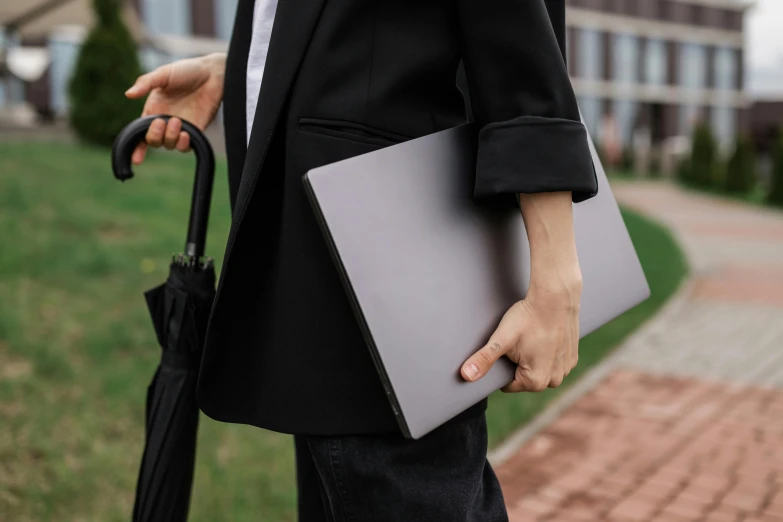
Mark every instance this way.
x=626 y=58
x=625 y=117
x=724 y=126
x=693 y=66
x=591 y=114
x=689 y=118
x=3 y=43
x=655 y=62
x=167 y=16
x=64 y=52
x=591 y=55
x=225 y=11
x=726 y=69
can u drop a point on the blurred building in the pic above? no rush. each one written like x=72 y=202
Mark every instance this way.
x=52 y=30
x=766 y=120
x=644 y=70
x=653 y=68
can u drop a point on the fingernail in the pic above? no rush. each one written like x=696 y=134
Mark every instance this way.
x=472 y=371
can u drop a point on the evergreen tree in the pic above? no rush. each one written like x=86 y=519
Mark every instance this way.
x=741 y=169
x=106 y=67
x=776 y=193
x=684 y=170
x=703 y=169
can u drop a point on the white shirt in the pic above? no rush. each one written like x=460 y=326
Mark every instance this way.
x=263 y=17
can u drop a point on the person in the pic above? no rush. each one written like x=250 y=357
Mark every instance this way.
x=311 y=82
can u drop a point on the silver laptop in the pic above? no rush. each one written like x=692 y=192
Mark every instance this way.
x=430 y=272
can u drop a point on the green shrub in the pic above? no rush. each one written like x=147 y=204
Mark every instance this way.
x=684 y=171
x=775 y=196
x=655 y=166
x=629 y=159
x=106 y=67
x=741 y=168
x=704 y=158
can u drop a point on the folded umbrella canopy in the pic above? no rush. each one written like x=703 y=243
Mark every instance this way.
x=180 y=309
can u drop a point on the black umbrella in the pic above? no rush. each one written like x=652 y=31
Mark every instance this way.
x=180 y=309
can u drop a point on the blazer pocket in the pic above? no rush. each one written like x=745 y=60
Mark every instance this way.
x=349 y=130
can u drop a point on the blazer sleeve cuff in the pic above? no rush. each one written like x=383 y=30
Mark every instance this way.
x=531 y=154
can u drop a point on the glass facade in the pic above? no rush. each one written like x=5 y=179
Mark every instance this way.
x=11 y=87
x=655 y=65
x=591 y=113
x=625 y=116
x=167 y=16
x=64 y=52
x=693 y=66
x=725 y=68
x=724 y=125
x=151 y=58
x=689 y=115
x=625 y=66
x=225 y=11
x=591 y=54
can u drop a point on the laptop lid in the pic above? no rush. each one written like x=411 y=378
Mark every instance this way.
x=430 y=272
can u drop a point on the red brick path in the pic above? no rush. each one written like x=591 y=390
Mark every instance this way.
x=654 y=448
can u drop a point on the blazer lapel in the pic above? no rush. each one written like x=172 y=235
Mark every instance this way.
x=294 y=24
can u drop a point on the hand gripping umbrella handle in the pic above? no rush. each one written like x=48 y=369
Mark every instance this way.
x=121 y=153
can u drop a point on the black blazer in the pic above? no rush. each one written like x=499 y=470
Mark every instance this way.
x=342 y=78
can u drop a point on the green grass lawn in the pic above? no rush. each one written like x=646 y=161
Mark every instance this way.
x=77 y=350
x=756 y=196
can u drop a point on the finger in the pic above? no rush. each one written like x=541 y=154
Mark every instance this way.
x=574 y=343
x=139 y=153
x=183 y=143
x=480 y=362
x=574 y=356
x=559 y=370
x=569 y=362
x=502 y=341
x=514 y=386
x=159 y=78
x=155 y=132
x=557 y=377
x=171 y=135
x=522 y=382
x=531 y=380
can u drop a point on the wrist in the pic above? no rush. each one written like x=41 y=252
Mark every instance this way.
x=561 y=288
x=554 y=266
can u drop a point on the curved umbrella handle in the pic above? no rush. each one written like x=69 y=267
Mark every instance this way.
x=121 y=153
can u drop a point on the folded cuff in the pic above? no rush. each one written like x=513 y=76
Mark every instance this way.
x=531 y=154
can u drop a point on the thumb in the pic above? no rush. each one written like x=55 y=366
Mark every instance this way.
x=159 y=78
x=480 y=362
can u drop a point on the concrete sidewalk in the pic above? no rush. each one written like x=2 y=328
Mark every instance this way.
x=685 y=421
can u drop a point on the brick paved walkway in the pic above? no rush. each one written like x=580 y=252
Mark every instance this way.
x=685 y=421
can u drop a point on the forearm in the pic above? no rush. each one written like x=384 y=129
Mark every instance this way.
x=554 y=266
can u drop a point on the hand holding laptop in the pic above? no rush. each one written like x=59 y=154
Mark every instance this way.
x=431 y=272
x=540 y=334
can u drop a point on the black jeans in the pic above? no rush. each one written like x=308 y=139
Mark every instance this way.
x=442 y=477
